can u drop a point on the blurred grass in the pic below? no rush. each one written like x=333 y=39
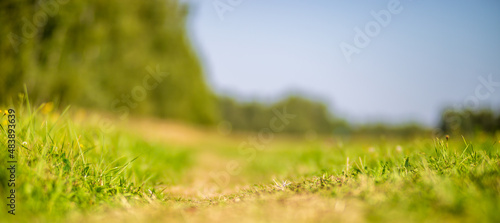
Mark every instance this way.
x=70 y=171
x=63 y=167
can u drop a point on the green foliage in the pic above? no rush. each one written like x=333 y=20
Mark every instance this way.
x=310 y=116
x=470 y=121
x=382 y=129
x=91 y=53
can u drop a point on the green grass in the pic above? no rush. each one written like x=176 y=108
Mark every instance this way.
x=63 y=168
x=68 y=171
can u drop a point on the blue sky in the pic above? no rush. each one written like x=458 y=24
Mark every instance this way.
x=428 y=56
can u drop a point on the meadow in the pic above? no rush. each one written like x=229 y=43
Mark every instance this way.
x=151 y=170
x=152 y=111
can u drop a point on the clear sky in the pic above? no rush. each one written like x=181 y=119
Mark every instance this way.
x=428 y=55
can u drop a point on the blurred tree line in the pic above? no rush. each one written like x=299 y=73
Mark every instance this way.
x=94 y=54
x=309 y=116
x=469 y=121
x=409 y=130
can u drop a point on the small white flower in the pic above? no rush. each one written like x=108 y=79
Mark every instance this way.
x=399 y=148
x=281 y=186
x=25 y=143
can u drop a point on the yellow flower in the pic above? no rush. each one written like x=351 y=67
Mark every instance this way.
x=47 y=107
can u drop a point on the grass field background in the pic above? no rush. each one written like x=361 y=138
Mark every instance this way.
x=263 y=111
x=69 y=169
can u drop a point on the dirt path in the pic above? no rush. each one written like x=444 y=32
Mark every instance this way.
x=205 y=142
